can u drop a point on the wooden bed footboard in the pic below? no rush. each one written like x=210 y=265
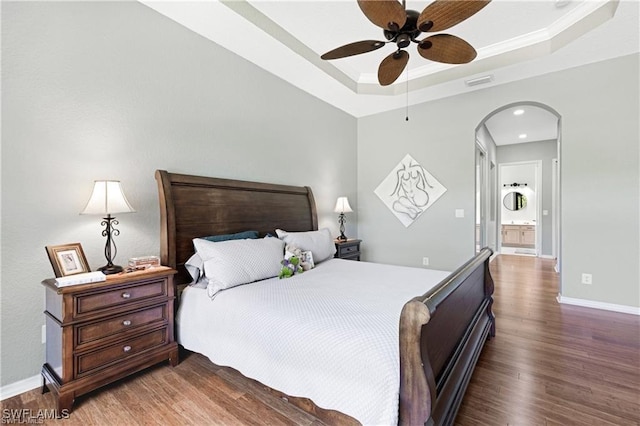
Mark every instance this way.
x=441 y=336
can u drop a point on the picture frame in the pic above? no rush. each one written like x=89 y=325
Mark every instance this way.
x=67 y=259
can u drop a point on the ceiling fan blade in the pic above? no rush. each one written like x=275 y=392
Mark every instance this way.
x=443 y=14
x=387 y=14
x=353 y=49
x=392 y=66
x=446 y=48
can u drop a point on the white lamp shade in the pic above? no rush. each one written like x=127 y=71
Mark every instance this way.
x=107 y=198
x=342 y=205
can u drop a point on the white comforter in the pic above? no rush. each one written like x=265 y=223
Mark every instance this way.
x=329 y=334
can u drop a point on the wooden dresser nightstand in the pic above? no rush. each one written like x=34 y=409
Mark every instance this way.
x=349 y=249
x=101 y=332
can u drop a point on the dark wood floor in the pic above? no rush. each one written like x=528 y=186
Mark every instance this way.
x=552 y=364
x=549 y=364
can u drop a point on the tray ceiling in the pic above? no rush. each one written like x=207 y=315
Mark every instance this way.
x=514 y=40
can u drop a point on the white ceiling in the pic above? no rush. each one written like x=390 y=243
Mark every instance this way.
x=515 y=39
x=522 y=124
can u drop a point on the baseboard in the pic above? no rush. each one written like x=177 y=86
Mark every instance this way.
x=518 y=251
x=598 y=305
x=546 y=256
x=22 y=386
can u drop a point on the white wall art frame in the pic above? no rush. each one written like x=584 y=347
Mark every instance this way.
x=409 y=190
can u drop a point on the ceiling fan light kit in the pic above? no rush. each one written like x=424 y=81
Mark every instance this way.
x=403 y=26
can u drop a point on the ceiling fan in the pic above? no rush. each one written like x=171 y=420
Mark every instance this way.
x=403 y=26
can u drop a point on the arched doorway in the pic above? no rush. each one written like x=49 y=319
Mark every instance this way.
x=520 y=133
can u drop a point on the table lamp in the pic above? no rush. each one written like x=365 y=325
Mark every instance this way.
x=107 y=198
x=342 y=207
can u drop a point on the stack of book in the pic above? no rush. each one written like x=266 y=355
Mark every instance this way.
x=146 y=261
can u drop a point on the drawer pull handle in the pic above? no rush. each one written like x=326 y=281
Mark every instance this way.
x=126 y=295
x=126 y=323
x=126 y=348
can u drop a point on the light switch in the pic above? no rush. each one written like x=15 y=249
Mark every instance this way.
x=545 y=212
x=459 y=212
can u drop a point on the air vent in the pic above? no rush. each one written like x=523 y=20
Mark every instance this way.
x=479 y=80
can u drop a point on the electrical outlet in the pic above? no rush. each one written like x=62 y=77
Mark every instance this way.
x=44 y=334
x=425 y=261
x=587 y=279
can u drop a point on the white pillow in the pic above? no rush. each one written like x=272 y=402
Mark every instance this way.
x=320 y=242
x=194 y=267
x=235 y=262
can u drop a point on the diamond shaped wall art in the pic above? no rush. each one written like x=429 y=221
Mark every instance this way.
x=409 y=190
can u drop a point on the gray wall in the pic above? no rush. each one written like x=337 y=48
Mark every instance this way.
x=114 y=90
x=544 y=151
x=435 y=139
x=600 y=159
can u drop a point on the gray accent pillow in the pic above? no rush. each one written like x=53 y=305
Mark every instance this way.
x=320 y=243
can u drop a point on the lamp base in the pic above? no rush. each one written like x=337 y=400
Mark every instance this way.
x=110 y=269
x=341 y=221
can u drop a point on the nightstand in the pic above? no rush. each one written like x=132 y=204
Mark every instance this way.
x=101 y=332
x=349 y=249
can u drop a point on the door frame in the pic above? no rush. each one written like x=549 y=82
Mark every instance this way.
x=554 y=209
x=481 y=192
x=539 y=192
x=558 y=186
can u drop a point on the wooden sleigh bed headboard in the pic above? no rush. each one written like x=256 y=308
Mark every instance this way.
x=197 y=206
x=442 y=332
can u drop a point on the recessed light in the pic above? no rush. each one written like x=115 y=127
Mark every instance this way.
x=518 y=112
x=522 y=135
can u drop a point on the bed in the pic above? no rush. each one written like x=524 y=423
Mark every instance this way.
x=439 y=320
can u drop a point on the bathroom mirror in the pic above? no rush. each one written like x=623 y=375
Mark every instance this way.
x=514 y=201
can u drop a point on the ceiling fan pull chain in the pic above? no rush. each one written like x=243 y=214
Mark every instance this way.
x=407 y=90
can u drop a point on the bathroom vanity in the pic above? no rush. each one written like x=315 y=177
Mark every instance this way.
x=519 y=236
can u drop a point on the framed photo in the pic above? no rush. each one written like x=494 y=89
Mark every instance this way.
x=67 y=259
